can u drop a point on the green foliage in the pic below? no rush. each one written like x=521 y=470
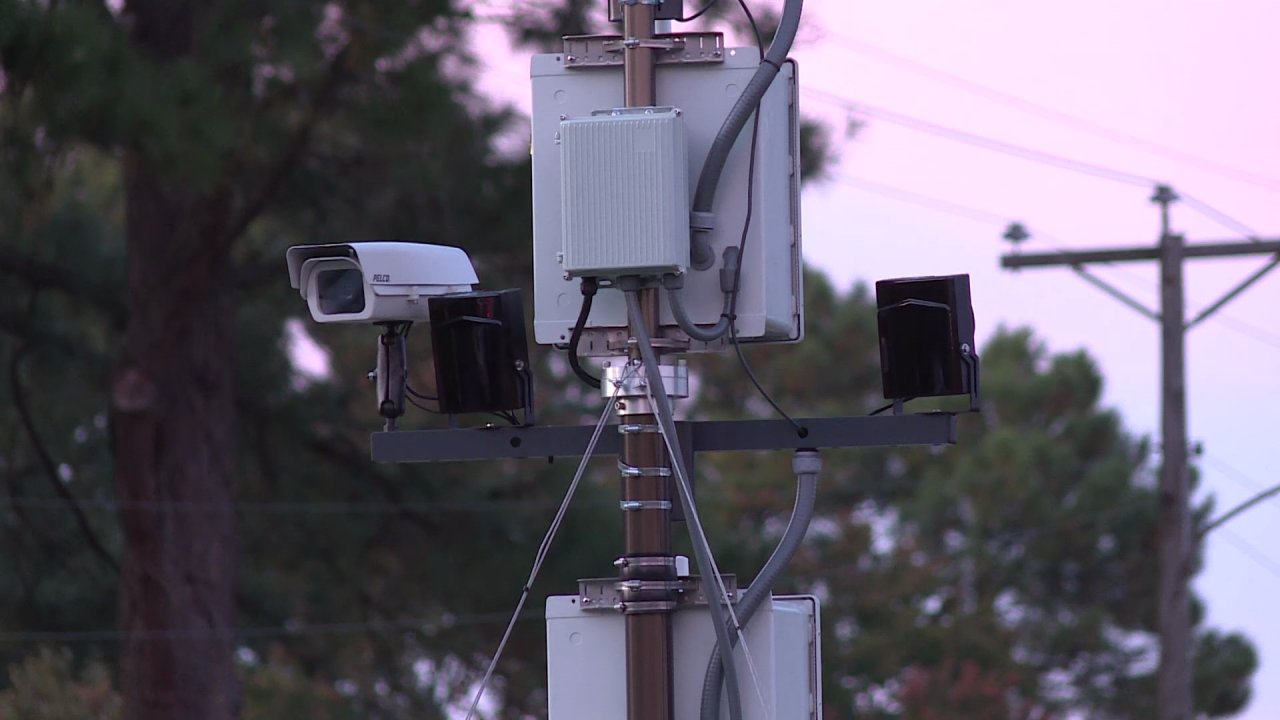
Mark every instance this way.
x=45 y=686
x=1007 y=576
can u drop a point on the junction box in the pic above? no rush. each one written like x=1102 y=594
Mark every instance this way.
x=585 y=145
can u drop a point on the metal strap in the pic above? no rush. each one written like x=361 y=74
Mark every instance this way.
x=650 y=585
x=646 y=561
x=645 y=606
x=638 y=429
x=633 y=471
x=645 y=504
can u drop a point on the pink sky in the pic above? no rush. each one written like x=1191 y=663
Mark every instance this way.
x=1199 y=77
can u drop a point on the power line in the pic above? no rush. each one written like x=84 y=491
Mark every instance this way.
x=444 y=622
x=1224 y=219
x=288 y=508
x=1048 y=113
x=921 y=200
x=1254 y=553
x=1244 y=328
x=987 y=143
x=1229 y=471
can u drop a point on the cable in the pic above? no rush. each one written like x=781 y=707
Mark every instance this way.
x=506 y=415
x=1224 y=219
x=545 y=547
x=742 y=359
x=701 y=257
x=700 y=13
x=888 y=407
x=987 y=143
x=589 y=288
x=701 y=547
x=1254 y=553
x=1248 y=330
x=732 y=315
x=921 y=200
x=807 y=465
x=1048 y=113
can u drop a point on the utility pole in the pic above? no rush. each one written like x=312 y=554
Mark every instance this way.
x=1174 y=700
x=647 y=568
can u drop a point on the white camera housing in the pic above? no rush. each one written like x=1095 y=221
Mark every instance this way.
x=371 y=282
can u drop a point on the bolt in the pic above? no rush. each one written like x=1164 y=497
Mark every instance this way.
x=569 y=59
x=965 y=348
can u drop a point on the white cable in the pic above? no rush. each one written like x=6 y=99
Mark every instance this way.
x=545 y=547
x=691 y=511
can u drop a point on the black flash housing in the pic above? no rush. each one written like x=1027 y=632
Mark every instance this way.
x=481 y=353
x=926 y=330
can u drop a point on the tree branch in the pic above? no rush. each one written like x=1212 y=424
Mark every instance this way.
x=45 y=275
x=34 y=333
x=283 y=166
x=50 y=468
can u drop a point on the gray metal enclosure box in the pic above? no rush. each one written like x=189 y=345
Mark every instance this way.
x=586 y=664
x=624 y=193
x=770 y=306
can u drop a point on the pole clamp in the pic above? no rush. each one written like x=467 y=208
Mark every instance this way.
x=644 y=607
x=638 y=429
x=646 y=561
x=633 y=471
x=628 y=505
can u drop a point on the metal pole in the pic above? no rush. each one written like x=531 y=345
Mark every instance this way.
x=1174 y=526
x=646 y=489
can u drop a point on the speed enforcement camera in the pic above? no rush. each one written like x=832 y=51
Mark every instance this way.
x=376 y=282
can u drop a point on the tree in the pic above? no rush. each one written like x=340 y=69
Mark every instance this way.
x=218 y=124
x=1007 y=576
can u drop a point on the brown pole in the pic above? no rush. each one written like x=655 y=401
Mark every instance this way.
x=1173 y=700
x=646 y=490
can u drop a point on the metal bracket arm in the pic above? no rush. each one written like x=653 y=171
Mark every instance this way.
x=706 y=436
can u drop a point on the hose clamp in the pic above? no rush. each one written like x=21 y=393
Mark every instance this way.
x=633 y=471
x=629 y=505
x=633 y=382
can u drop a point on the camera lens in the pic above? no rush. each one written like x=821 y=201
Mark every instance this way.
x=340 y=292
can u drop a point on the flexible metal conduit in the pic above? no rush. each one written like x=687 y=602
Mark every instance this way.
x=704 y=195
x=807 y=465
